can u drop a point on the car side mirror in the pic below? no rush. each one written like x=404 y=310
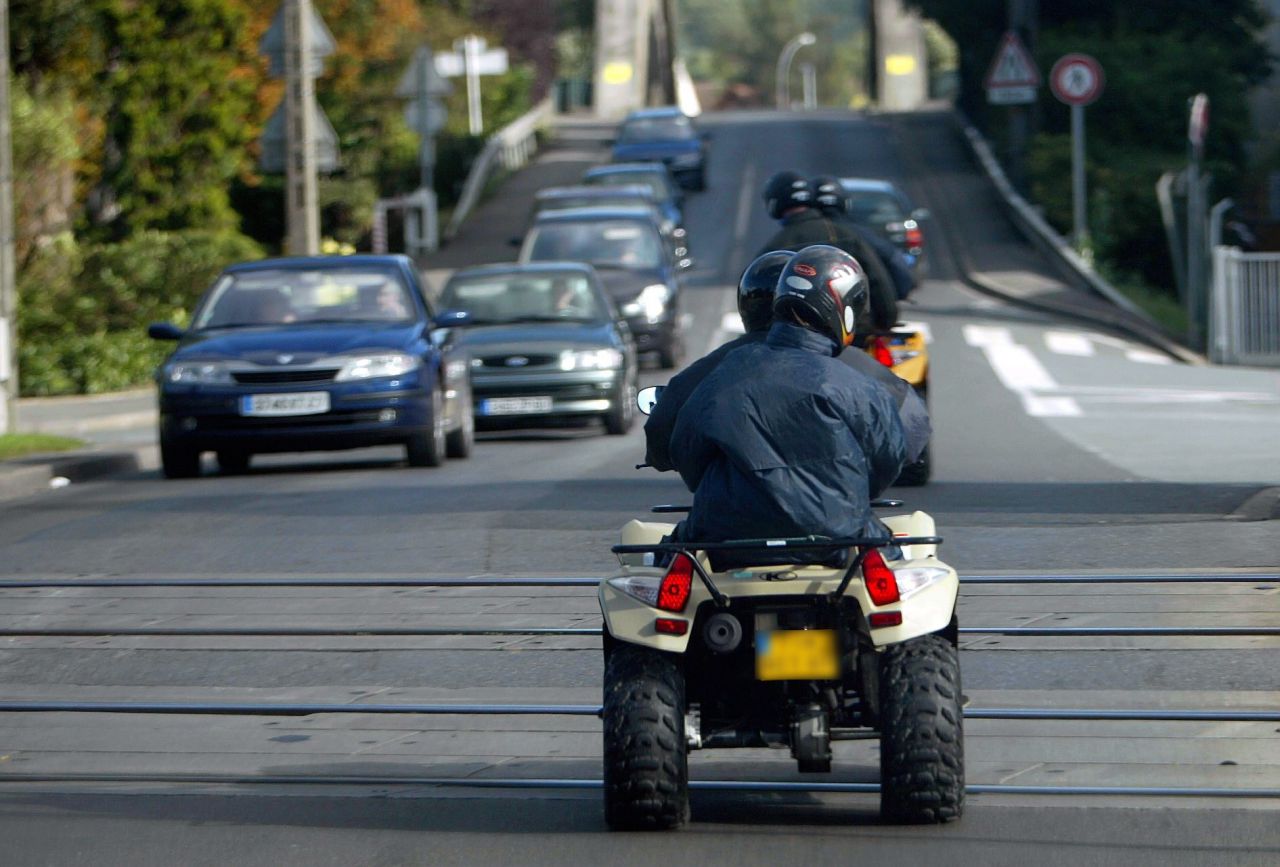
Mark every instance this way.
x=648 y=397
x=515 y=241
x=451 y=318
x=164 y=331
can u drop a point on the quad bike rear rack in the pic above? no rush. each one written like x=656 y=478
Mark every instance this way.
x=804 y=543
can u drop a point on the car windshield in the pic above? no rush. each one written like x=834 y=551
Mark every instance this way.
x=649 y=129
x=621 y=200
x=297 y=297
x=611 y=243
x=499 y=298
x=874 y=206
x=653 y=180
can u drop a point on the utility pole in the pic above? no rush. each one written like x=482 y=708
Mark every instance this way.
x=8 y=291
x=302 y=207
x=1024 y=20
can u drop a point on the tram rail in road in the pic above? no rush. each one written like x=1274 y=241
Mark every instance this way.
x=300 y=709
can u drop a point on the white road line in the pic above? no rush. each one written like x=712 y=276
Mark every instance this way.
x=1020 y=371
x=1143 y=356
x=746 y=198
x=732 y=324
x=1069 y=343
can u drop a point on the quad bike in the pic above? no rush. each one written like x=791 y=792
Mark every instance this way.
x=701 y=653
x=904 y=351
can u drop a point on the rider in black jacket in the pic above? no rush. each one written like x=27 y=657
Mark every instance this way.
x=755 y=306
x=782 y=439
x=789 y=198
x=828 y=197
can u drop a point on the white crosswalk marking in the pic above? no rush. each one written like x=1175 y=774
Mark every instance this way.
x=1020 y=372
x=1143 y=356
x=1069 y=343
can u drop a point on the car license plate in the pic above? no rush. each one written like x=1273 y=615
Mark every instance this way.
x=797 y=654
x=515 y=405
x=301 y=403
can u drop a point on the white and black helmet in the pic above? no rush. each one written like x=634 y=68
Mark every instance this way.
x=784 y=191
x=824 y=289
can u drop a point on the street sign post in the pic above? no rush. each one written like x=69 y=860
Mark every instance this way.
x=472 y=58
x=1077 y=80
x=1197 y=252
x=1012 y=78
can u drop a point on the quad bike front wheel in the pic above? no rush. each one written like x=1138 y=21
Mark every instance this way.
x=922 y=734
x=646 y=766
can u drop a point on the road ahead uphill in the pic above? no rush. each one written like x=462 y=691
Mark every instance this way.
x=352 y=584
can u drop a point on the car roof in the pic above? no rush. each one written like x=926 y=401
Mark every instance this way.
x=612 y=212
x=869 y=184
x=637 y=190
x=322 y=263
x=622 y=168
x=498 y=269
x=657 y=111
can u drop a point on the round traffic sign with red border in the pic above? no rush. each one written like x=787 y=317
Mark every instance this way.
x=1076 y=79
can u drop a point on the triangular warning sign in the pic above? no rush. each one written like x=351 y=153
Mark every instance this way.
x=1012 y=66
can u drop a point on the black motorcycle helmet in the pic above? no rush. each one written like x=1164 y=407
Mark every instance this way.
x=757 y=287
x=828 y=194
x=824 y=289
x=784 y=191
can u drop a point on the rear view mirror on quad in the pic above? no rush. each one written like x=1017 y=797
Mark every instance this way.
x=648 y=397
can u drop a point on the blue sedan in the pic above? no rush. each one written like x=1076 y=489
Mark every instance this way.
x=664 y=135
x=315 y=353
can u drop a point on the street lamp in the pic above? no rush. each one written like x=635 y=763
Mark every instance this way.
x=782 y=88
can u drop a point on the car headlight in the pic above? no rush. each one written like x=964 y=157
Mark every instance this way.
x=370 y=366
x=650 y=303
x=591 y=359
x=198 y=373
x=915 y=578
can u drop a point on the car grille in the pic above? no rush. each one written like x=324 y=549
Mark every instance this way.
x=503 y=362
x=284 y=377
x=558 y=392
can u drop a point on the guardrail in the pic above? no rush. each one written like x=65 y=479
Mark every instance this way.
x=1049 y=241
x=510 y=147
x=1244 y=312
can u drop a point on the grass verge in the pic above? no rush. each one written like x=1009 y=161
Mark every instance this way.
x=17 y=445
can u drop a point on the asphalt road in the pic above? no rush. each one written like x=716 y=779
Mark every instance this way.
x=1058 y=448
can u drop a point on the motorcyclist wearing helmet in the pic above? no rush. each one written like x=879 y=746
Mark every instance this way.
x=755 y=306
x=782 y=439
x=789 y=198
x=756 y=289
x=828 y=197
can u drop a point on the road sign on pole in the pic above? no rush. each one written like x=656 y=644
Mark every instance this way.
x=319 y=37
x=1198 y=123
x=472 y=58
x=1077 y=80
x=1013 y=77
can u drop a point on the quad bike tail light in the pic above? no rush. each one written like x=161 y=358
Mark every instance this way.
x=915 y=237
x=677 y=584
x=882 y=585
x=669 y=593
x=881 y=353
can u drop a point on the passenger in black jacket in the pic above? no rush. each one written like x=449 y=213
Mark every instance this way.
x=828 y=198
x=789 y=198
x=755 y=306
x=782 y=439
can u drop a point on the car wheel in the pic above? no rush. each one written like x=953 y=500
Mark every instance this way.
x=427 y=448
x=233 y=462
x=619 y=420
x=646 y=760
x=459 y=442
x=178 y=461
x=921 y=732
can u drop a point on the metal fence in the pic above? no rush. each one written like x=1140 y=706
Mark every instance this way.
x=1244 y=313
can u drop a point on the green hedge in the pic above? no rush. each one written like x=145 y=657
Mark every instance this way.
x=83 y=309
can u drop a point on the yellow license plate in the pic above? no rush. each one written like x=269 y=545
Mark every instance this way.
x=797 y=654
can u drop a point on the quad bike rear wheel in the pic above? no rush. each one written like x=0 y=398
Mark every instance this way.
x=922 y=736
x=646 y=766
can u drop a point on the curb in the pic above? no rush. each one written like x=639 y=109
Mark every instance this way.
x=22 y=477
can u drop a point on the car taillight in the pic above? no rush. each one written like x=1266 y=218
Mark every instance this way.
x=882 y=586
x=915 y=237
x=881 y=353
x=673 y=592
x=670 y=626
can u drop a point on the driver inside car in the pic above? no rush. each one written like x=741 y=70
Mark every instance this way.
x=783 y=439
